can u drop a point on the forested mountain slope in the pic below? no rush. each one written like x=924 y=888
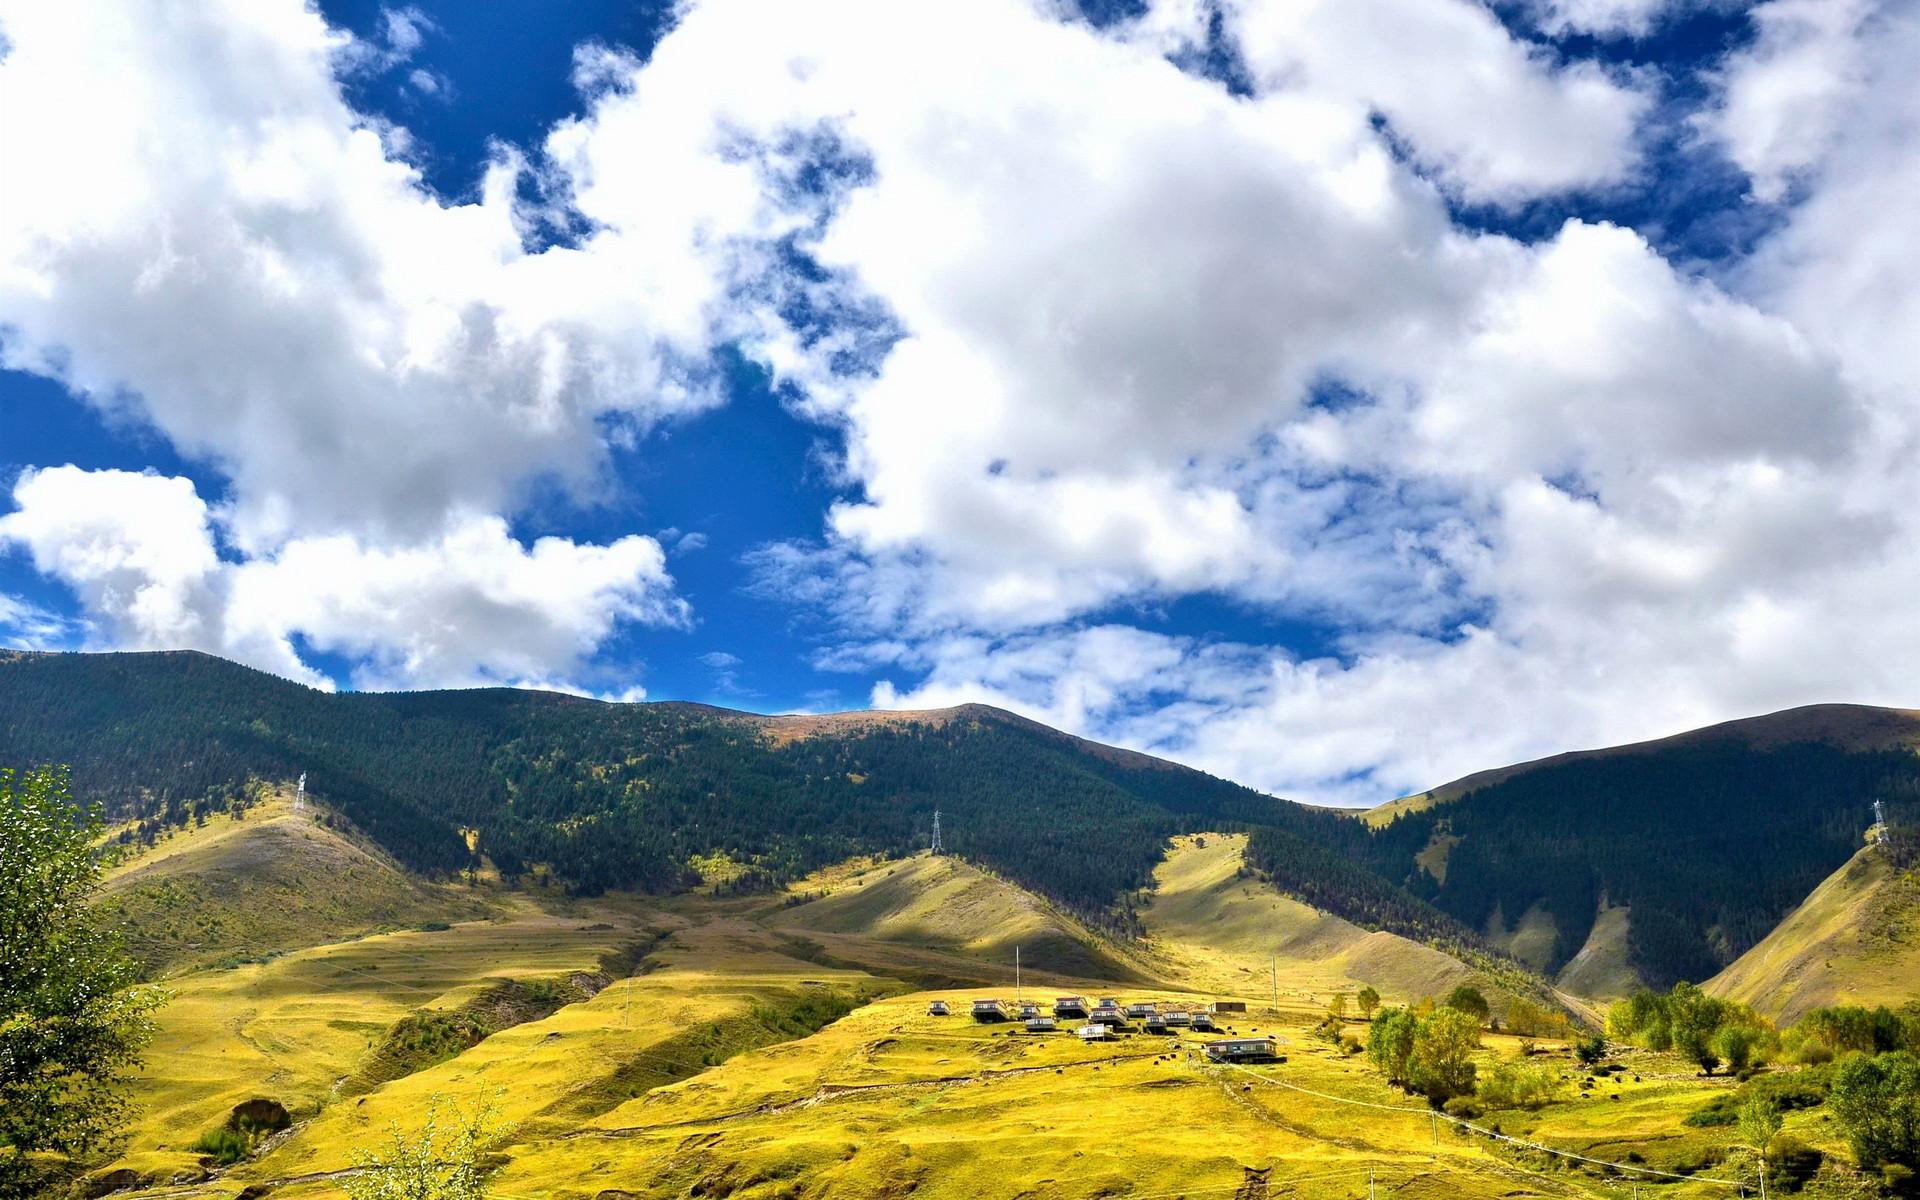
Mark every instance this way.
x=1708 y=839
x=618 y=795
x=1698 y=845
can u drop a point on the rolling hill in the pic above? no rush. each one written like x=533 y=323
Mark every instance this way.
x=1599 y=870
x=264 y=881
x=946 y=904
x=1227 y=929
x=1855 y=940
x=703 y=1045
x=754 y=1021
x=603 y=796
x=1656 y=861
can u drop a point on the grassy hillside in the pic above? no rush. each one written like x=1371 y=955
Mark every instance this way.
x=296 y=1027
x=1603 y=969
x=265 y=881
x=778 y=1047
x=944 y=903
x=1854 y=940
x=699 y=1079
x=1700 y=844
x=1222 y=928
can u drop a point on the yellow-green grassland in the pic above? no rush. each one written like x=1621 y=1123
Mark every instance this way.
x=780 y=1046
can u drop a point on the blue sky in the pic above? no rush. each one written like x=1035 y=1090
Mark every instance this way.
x=1338 y=396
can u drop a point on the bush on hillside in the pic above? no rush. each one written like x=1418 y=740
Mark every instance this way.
x=1876 y=1099
x=1702 y=1028
x=1520 y=1085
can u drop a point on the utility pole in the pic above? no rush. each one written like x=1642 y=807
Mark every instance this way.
x=936 y=847
x=1016 y=974
x=1274 y=964
x=1370 y=1183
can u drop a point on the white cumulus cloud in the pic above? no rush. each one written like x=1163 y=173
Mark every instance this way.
x=470 y=606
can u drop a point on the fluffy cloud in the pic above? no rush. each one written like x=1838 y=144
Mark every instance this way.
x=214 y=243
x=1548 y=493
x=470 y=606
x=214 y=240
x=1098 y=333
x=1499 y=119
x=1782 y=99
x=1842 y=265
x=134 y=547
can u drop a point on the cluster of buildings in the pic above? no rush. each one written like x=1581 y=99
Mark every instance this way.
x=1106 y=1019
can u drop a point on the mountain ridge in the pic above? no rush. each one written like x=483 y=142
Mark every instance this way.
x=1871 y=727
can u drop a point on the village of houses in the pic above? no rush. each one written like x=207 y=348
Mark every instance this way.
x=1108 y=1019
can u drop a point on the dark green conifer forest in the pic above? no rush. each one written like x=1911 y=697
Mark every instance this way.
x=1711 y=843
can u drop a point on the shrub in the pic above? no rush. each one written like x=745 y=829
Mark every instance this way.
x=1590 y=1048
x=441 y=1161
x=225 y=1146
x=1804 y=1089
x=1519 y=1085
x=1791 y=1163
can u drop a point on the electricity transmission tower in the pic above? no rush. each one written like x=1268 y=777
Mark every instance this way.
x=300 y=793
x=937 y=847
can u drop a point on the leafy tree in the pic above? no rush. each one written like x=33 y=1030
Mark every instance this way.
x=1642 y=1018
x=439 y=1162
x=1390 y=1042
x=1337 y=1006
x=1695 y=1017
x=1760 y=1123
x=1876 y=1099
x=1844 y=1028
x=1691 y=1023
x=1467 y=999
x=1442 y=1063
x=1736 y=1042
x=71 y=1021
x=1525 y=1017
x=1368 y=999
